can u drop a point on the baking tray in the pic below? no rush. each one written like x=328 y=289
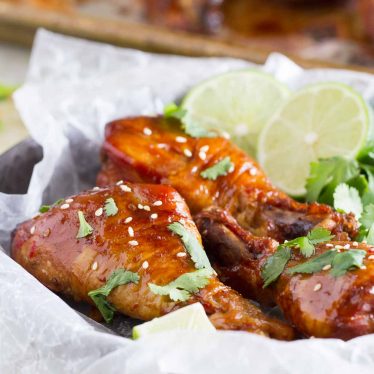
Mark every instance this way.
x=15 y=180
x=18 y=24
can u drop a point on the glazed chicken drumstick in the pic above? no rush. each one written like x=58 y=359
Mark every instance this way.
x=318 y=304
x=155 y=149
x=83 y=243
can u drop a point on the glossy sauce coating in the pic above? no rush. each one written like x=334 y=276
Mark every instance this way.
x=137 y=239
x=318 y=304
x=154 y=149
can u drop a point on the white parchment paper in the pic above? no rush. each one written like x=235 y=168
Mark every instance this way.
x=72 y=89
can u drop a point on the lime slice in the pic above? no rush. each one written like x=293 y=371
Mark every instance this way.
x=191 y=317
x=320 y=121
x=239 y=102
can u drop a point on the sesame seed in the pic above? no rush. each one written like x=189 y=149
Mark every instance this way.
x=125 y=188
x=147 y=131
x=329 y=245
x=32 y=230
x=131 y=231
x=327 y=267
x=94 y=266
x=134 y=243
x=161 y=146
x=232 y=168
x=180 y=139
x=204 y=148
x=69 y=201
x=363 y=267
x=119 y=183
x=347 y=246
x=355 y=244
x=128 y=219
x=140 y=206
x=96 y=188
x=371 y=257
x=339 y=246
x=253 y=171
x=64 y=206
x=202 y=155
x=187 y=153
x=147 y=208
x=99 y=212
x=364 y=242
x=157 y=203
x=194 y=169
x=181 y=254
x=154 y=216
x=372 y=290
x=145 y=265
x=317 y=287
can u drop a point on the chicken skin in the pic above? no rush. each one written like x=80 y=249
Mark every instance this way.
x=58 y=249
x=317 y=304
x=154 y=149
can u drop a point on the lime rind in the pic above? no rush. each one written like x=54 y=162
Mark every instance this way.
x=283 y=150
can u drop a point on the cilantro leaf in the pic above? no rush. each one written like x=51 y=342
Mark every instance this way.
x=314 y=265
x=192 y=245
x=326 y=174
x=345 y=261
x=46 y=208
x=6 y=91
x=370 y=235
x=172 y=110
x=275 y=265
x=347 y=199
x=84 y=228
x=193 y=129
x=219 y=169
x=117 y=278
x=306 y=243
x=181 y=288
x=367 y=217
x=110 y=207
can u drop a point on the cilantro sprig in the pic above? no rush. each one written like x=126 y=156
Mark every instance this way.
x=110 y=207
x=184 y=286
x=189 y=125
x=6 y=91
x=46 y=208
x=192 y=245
x=84 y=228
x=221 y=168
x=275 y=264
x=99 y=296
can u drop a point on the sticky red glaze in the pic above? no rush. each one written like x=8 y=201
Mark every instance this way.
x=342 y=308
x=48 y=248
x=128 y=153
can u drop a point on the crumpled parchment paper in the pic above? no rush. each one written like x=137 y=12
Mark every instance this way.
x=72 y=90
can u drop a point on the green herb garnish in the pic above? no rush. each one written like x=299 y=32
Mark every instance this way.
x=192 y=245
x=307 y=243
x=348 y=260
x=275 y=265
x=189 y=126
x=314 y=265
x=347 y=199
x=184 y=286
x=119 y=277
x=110 y=207
x=84 y=228
x=46 y=208
x=219 y=169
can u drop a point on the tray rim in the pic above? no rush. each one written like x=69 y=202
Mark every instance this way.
x=18 y=24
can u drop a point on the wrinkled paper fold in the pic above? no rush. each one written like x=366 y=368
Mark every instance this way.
x=73 y=88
